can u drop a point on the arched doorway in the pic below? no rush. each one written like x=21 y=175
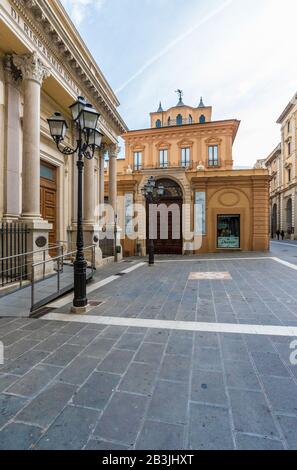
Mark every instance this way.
x=289 y=216
x=273 y=221
x=169 y=234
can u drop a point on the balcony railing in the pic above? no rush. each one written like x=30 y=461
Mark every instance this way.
x=164 y=165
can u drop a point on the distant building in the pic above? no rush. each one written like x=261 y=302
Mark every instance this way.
x=192 y=156
x=281 y=164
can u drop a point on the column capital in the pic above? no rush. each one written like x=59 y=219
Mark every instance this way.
x=113 y=150
x=102 y=150
x=11 y=73
x=32 y=67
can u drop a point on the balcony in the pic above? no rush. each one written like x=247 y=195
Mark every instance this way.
x=187 y=165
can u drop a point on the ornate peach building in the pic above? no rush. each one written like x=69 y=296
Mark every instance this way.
x=192 y=156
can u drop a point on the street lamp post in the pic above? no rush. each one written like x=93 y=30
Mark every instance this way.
x=152 y=192
x=85 y=120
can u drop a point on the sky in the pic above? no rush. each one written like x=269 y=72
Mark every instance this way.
x=239 y=55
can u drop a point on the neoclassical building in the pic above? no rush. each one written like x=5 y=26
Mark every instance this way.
x=191 y=155
x=281 y=165
x=44 y=66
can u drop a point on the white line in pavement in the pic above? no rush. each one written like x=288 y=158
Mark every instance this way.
x=212 y=259
x=292 y=245
x=177 y=325
x=65 y=300
x=286 y=263
x=132 y=268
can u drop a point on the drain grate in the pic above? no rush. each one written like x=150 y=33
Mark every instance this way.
x=41 y=312
x=95 y=303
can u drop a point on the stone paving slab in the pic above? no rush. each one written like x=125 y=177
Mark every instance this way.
x=67 y=385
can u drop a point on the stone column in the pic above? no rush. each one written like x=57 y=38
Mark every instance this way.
x=102 y=153
x=113 y=151
x=89 y=191
x=91 y=228
x=12 y=170
x=33 y=72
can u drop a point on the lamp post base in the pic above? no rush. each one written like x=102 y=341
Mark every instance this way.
x=80 y=310
x=80 y=283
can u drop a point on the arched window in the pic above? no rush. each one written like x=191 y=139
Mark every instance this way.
x=289 y=216
x=202 y=119
x=179 y=120
x=158 y=123
x=190 y=119
x=168 y=121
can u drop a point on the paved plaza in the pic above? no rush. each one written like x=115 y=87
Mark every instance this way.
x=193 y=353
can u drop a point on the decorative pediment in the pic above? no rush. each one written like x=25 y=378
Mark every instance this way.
x=138 y=147
x=213 y=141
x=163 y=144
x=185 y=143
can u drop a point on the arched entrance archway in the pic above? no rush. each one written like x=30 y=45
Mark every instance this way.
x=289 y=215
x=273 y=220
x=168 y=221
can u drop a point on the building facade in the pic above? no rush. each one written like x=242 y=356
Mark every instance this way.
x=282 y=168
x=191 y=156
x=44 y=66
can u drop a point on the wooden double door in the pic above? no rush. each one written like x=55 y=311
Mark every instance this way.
x=173 y=245
x=48 y=199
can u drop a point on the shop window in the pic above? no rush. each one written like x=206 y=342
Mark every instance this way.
x=228 y=231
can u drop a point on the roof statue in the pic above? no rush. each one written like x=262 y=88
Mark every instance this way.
x=180 y=94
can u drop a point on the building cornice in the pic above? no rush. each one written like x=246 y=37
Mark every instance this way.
x=52 y=25
x=196 y=128
x=287 y=109
x=274 y=154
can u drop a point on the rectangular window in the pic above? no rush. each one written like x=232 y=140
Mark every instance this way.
x=289 y=175
x=213 y=155
x=228 y=231
x=289 y=148
x=163 y=156
x=185 y=156
x=137 y=160
x=47 y=172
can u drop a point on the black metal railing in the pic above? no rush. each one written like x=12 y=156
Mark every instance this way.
x=13 y=243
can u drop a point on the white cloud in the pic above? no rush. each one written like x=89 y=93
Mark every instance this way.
x=80 y=10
